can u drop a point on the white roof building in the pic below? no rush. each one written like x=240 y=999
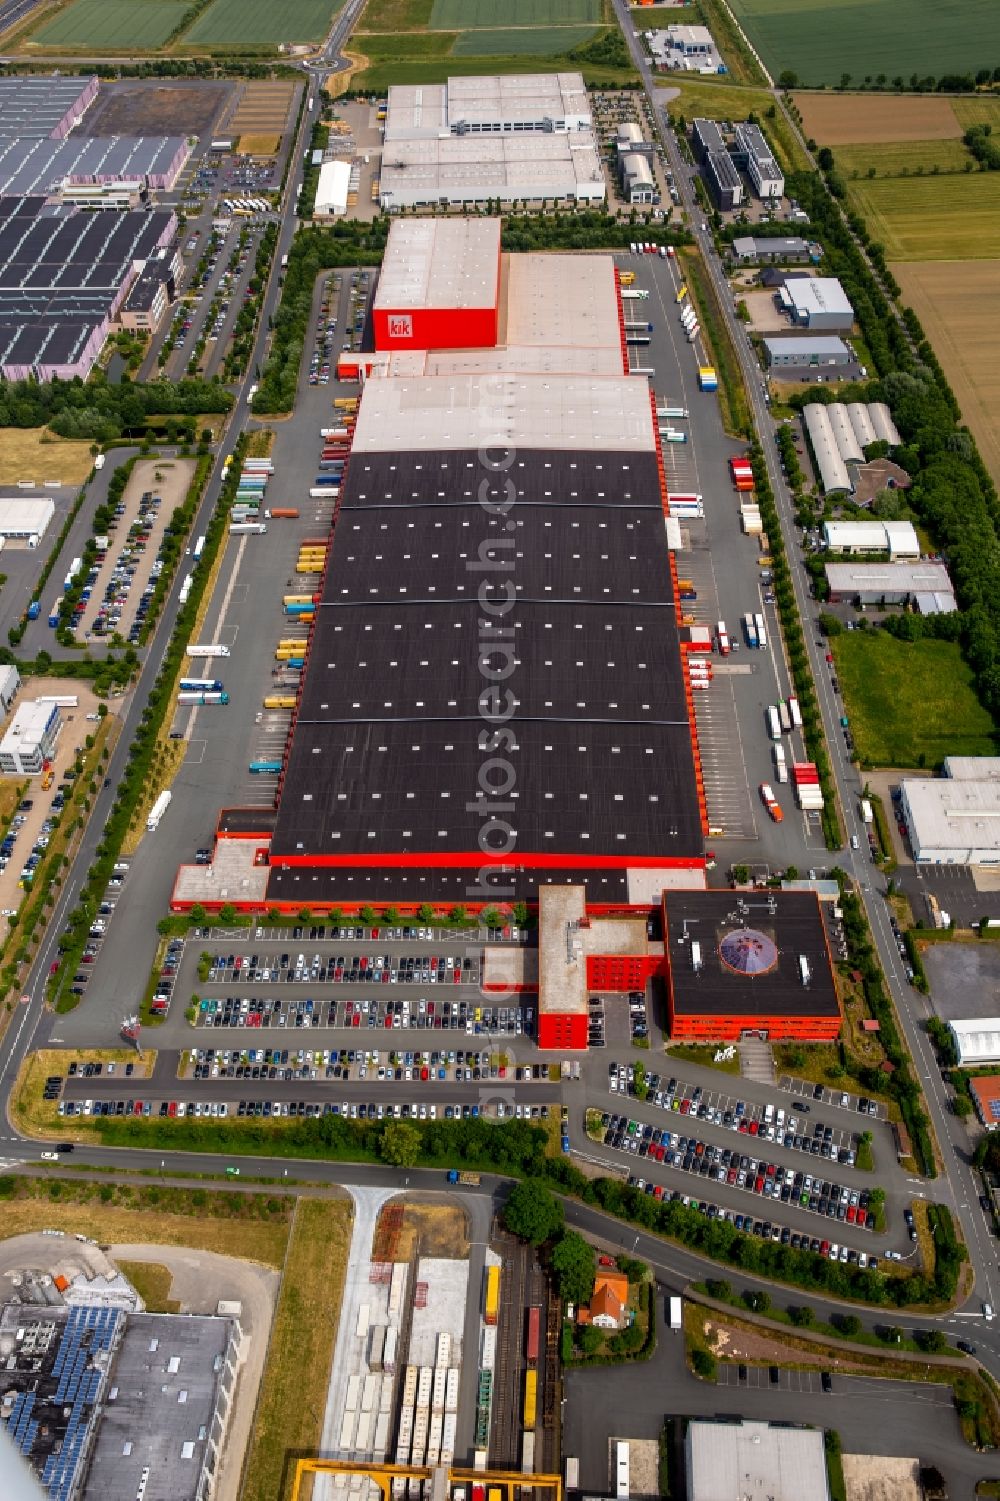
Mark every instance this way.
x=461 y=169
x=736 y=1460
x=952 y=821
x=516 y=102
x=435 y=413
x=833 y=473
x=977 y=1041
x=440 y=263
x=897 y=538
x=895 y=582
x=819 y=302
x=23 y=519
x=972 y=768
x=332 y=188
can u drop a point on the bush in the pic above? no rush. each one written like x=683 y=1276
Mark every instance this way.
x=704 y=1364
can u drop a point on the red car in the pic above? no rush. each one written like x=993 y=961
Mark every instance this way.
x=172 y=1108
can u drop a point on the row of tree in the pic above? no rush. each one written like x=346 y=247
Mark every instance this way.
x=102 y=411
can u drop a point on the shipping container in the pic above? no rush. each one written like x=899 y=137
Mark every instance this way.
x=361 y=1329
x=528 y=1453
x=329 y=492
x=217 y=699
x=530 y=1398
x=488 y=1356
x=572 y=1473
x=389 y=1353
x=442 y=1354
x=378 y=1332
x=348 y=1427
x=449 y=1433
x=451 y=1390
x=265 y=767
x=397 y=1290
x=363 y=1437
x=410 y=1386
x=288 y=512
x=434 y=1437
x=492 y=1294
x=380 y=1439
x=531 y=1341
x=425 y=1382
x=370 y=1388
x=438 y=1389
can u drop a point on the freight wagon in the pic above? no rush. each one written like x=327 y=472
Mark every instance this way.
x=531 y=1342
x=530 y=1398
x=492 y=1294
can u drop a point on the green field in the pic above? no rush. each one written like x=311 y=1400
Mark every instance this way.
x=933 y=218
x=547 y=40
x=910 y=703
x=903 y=158
x=463 y=15
x=115 y=24
x=819 y=40
x=261 y=22
x=981 y=111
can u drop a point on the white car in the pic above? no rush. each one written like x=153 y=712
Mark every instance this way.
x=50 y=1156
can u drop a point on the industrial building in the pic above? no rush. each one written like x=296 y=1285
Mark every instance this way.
x=31 y=166
x=470 y=169
x=792 y=352
x=707 y=139
x=818 y=303
x=10 y=682
x=897 y=538
x=689 y=49
x=985 y=1093
x=925 y=585
x=977 y=1041
x=754 y=155
x=951 y=821
x=64 y=276
x=25 y=518
x=46 y=106
x=432 y=759
x=101 y=1402
x=332 y=189
x=30 y=738
x=972 y=768
x=784 y=250
x=150 y=294
x=745 y=1458
x=755 y=964
x=838 y=436
x=490 y=105
x=638 y=182
x=439 y=286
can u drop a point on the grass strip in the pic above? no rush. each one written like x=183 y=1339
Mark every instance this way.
x=289 y=1417
x=732 y=394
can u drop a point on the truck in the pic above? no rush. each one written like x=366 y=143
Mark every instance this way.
x=264 y=768
x=201 y=685
x=784 y=714
x=255 y=528
x=572 y=1473
x=185 y=590
x=100 y=461
x=676 y=1317
x=780 y=764
x=773 y=723
x=202 y=698
x=795 y=712
x=708 y=379
x=198 y=549
x=770 y=802
x=289 y=513
x=761 y=632
x=280 y=701
x=215 y=649
x=472 y=1179
x=722 y=638
x=671 y=411
x=750 y=630
x=74 y=569
x=54 y=614
x=158 y=809
x=693 y=332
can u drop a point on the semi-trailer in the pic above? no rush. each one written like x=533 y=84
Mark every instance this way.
x=795 y=712
x=771 y=802
x=265 y=768
x=780 y=764
x=158 y=809
x=215 y=649
x=201 y=685
x=750 y=630
x=287 y=513
x=722 y=639
x=784 y=714
x=280 y=701
x=323 y=482
x=252 y=528
x=672 y=412
x=184 y=593
x=203 y=698
x=758 y=621
x=693 y=333
x=773 y=722
x=54 y=614
x=676 y=1315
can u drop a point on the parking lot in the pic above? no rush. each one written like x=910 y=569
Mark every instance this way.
x=129 y=567
x=98 y=932
x=839 y=1099
x=773 y=1378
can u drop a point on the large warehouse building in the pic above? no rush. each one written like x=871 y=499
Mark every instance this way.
x=479 y=140
x=440 y=286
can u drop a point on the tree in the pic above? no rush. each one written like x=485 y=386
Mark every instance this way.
x=757 y=1300
x=520 y=914
x=962 y=1105
x=590 y=1339
x=931 y=1341
x=400 y=1144
x=848 y=1323
x=490 y=917
x=788 y=79
x=573 y=1267
x=802 y=1315
x=425 y=912
x=368 y=915
x=227 y=914
x=704 y=1364
x=741 y=875
x=533 y=1212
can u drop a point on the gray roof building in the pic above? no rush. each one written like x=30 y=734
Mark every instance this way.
x=722 y=179
x=818 y=302
x=763 y=251
x=728 y=1460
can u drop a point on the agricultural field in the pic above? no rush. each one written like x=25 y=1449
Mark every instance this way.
x=113 y=25
x=256 y=23
x=821 y=40
x=841 y=119
x=32 y=453
x=910 y=703
x=541 y=40
x=902 y=158
x=462 y=15
x=933 y=218
x=959 y=308
x=979 y=111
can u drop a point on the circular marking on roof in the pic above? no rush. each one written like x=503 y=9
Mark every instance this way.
x=748 y=952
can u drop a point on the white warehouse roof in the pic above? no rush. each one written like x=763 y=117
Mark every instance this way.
x=972 y=768
x=726 y=1461
x=861 y=421
x=897 y=538
x=332 y=188
x=440 y=263
x=953 y=821
x=885 y=428
x=25 y=518
x=978 y=1041
x=843 y=434
x=818 y=294
x=465 y=168
x=432 y=413
x=889 y=578
x=555 y=100
x=833 y=473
